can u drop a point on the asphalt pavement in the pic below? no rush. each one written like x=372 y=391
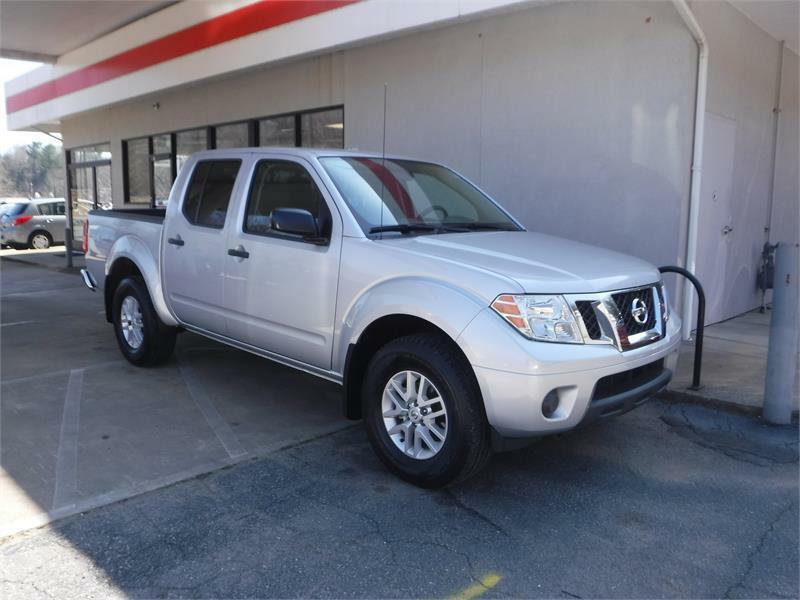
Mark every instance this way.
x=669 y=501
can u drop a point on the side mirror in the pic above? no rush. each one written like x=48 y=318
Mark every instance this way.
x=297 y=221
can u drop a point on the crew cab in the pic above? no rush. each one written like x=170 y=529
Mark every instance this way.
x=452 y=330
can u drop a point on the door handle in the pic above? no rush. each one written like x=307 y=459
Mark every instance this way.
x=726 y=230
x=176 y=241
x=238 y=252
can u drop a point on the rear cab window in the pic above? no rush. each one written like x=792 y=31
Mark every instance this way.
x=209 y=192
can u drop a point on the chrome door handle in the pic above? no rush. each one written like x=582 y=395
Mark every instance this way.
x=238 y=252
x=176 y=241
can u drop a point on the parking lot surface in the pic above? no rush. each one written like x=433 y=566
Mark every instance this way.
x=257 y=487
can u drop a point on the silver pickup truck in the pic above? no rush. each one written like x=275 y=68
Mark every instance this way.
x=452 y=330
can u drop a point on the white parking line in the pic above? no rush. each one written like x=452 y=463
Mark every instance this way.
x=220 y=427
x=17 y=323
x=66 y=487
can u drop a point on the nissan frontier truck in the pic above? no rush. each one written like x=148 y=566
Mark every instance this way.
x=452 y=330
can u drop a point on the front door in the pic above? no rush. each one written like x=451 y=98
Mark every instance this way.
x=280 y=288
x=194 y=245
x=717 y=230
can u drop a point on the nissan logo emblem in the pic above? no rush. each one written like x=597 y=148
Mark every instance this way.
x=639 y=311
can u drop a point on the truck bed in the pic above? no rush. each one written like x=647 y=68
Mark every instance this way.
x=153 y=215
x=141 y=230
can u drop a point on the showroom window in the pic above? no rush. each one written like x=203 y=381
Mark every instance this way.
x=89 y=184
x=151 y=164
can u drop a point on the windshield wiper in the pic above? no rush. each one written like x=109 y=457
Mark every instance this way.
x=403 y=228
x=477 y=226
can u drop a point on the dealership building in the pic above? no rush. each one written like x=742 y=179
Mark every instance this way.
x=665 y=129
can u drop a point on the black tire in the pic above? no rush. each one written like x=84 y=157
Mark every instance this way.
x=466 y=447
x=45 y=235
x=158 y=339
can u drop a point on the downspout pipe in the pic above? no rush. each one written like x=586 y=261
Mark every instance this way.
x=697 y=156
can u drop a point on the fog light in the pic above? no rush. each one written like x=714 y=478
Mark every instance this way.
x=550 y=404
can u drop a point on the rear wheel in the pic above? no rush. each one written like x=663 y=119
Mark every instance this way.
x=40 y=240
x=143 y=339
x=424 y=412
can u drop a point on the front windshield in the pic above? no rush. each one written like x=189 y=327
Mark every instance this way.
x=407 y=196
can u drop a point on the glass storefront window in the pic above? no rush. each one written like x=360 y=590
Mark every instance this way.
x=162 y=180
x=162 y=144
x=104 y=198
x=323 y=129
x=189 y=142
x=154 y=162
x=90 y=153
x=277 y=131
x=235 y=135
x=138 y=171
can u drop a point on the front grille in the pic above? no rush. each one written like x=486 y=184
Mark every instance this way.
x=624 y=302
x=586 y=308
x=619 y=383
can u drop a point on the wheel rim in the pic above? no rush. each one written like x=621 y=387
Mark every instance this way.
x=40 y=241
x=131 y=322
x=414 y=415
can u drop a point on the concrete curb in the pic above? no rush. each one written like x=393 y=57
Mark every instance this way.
x=21 y=260
x=677 y=396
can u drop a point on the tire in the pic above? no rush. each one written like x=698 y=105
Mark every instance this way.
x=143 y=339
x=40 y=240
x=466 y=446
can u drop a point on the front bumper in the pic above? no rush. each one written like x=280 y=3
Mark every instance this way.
x=515 y=375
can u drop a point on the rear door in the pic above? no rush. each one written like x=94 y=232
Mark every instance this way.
x=280 y=289
x=194 y=245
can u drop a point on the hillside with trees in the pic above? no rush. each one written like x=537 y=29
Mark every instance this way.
x=32 y=169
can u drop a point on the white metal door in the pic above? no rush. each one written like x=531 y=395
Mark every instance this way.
x=716 y=231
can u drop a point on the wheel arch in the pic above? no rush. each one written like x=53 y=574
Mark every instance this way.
x=131 y=256
x=376 y=335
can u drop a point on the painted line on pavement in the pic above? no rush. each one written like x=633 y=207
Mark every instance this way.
x=66 y=487
x=219 y=426
x=483 y=585
x=19 y=323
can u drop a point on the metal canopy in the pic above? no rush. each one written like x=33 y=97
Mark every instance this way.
x=45 y=29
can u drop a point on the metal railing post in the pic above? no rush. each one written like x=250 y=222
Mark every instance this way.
x=782 y=352
x=701 y=322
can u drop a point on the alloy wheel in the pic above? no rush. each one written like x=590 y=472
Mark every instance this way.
x=414 y=415
x=131 y=322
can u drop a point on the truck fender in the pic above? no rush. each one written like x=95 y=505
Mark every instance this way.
x=447 y=307
x=133 y=249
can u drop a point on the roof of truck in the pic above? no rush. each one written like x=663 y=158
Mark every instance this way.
x=299 y=152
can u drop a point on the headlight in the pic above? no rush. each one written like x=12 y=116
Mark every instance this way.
x=545 y=318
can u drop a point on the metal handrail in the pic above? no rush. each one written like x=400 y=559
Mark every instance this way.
x=701 y=320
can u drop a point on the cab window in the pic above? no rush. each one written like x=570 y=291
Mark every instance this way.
x=283 y=184
x=209 y=192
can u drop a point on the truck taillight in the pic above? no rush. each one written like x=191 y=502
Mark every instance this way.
x=21 y=220
x=86 y=236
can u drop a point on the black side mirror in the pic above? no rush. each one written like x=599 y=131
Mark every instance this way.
x=297 y=221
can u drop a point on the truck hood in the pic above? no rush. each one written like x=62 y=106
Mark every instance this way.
x=539 y=263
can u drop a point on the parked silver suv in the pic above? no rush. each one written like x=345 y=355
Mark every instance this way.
x=38 y=223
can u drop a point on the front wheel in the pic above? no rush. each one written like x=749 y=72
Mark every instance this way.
x=424 y=412
x=143 y=339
